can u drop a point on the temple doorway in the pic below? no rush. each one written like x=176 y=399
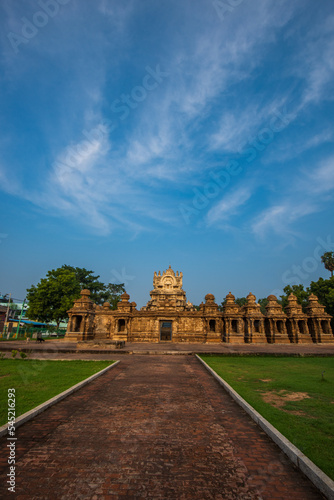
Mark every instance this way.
x=165 y=331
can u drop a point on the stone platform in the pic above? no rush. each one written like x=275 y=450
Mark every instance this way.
x=72 y=350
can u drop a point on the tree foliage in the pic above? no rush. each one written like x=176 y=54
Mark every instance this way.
x=263 y=302
x=87 y=280
x=54 y=295
x=324 y=290
x=241 y=301
x=99 y=292
x=112 y=294
x=328 y=261
x=299 y=291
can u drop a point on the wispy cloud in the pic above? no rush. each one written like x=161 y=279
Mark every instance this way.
x=200 y=73
x=279 y=219
x=229 y=205
x=321 y=179
x=310 y=140
x=239 y=127
x=320 y=64
x=209 y=104
x=306 y=199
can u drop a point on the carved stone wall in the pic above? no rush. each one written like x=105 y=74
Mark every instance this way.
x=168 y=317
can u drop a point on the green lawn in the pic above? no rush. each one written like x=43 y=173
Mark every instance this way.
x=292 y=394
x=36 y=381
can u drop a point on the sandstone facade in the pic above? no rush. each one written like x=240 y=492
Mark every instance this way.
x=168 y=317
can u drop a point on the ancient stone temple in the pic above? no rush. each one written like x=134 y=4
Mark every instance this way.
x=169 y=317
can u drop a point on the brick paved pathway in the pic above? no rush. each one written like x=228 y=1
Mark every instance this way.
x=152 y=427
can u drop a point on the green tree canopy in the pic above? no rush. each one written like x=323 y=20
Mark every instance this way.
x=87 y=280
x=263 y=302
x=299 y=291
x=53 y=296
x=112 y=294
x=241 y=301
x=324 y=290
x=99 y=292
x=328 y=261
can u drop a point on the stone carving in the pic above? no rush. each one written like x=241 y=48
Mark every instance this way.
x=319 y=322
x=167 y=292
x=297 y=325
x=169 y=317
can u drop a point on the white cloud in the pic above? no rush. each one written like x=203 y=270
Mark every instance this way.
x=280 y=218
x=200 y=72
x=301 y=143
x=312 y=62
x=109 y=182
x=320 y=72
x=303 y=199
x=321 y=179
x=229 y=205
x=241 y=126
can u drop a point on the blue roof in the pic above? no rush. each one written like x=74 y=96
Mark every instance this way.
x=28 y=322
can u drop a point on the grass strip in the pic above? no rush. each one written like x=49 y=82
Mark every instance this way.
x=296 y=395
x=36 y=381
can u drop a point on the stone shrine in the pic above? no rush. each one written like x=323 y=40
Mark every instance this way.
x=168 y=317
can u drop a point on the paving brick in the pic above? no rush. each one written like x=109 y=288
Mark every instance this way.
x=156 y=427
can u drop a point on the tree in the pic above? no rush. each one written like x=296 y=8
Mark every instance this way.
x=241 y=301
x=99 y=292
x=328 y=261
x=112 y=294
x=53 y=296
x=299 y=291
x=86 y=280
x=263 y=303
x=324 y=290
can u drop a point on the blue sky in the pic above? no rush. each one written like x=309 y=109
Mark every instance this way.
x=141 y=134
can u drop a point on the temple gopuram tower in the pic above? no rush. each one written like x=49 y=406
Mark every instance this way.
x=167 y=292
